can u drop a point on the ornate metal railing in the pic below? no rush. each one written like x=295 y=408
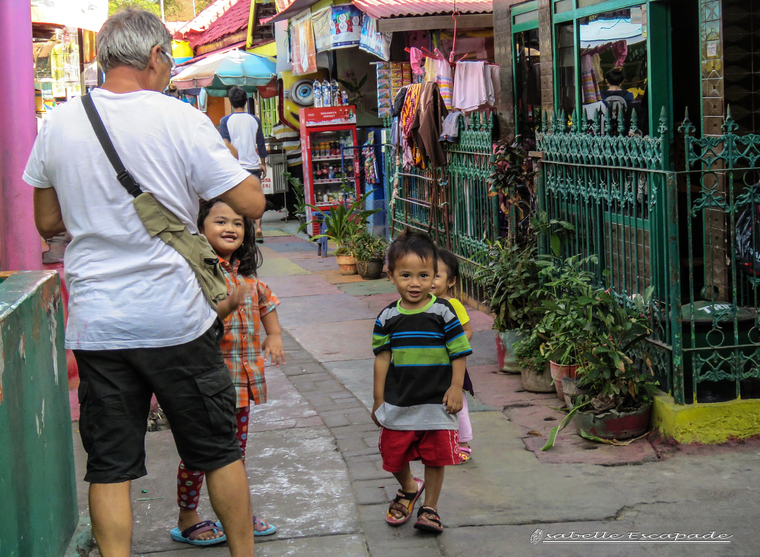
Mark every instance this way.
x=673 y=231
x=721 y=331
x=452 y=203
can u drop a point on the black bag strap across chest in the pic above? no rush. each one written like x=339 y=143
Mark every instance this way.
x=122 y=174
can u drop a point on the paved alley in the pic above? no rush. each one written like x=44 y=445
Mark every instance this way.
x=315 y=471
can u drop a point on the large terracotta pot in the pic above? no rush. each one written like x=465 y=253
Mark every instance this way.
x=614 y=425
x=505 y=351
x=371 y=269
x=558 y=372
x=347 y=264
x=537 y=381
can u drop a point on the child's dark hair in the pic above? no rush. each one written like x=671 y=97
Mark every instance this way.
x=412 y=241
x=248 y=253
x=615 y=76
x=238 y=97
x=451 y=262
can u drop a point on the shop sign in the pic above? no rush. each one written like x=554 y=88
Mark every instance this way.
x=303 y=50
x=337 y=27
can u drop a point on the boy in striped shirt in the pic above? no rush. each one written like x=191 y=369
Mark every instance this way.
x=420 y=358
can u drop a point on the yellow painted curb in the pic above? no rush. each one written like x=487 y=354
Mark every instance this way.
x=712 y=423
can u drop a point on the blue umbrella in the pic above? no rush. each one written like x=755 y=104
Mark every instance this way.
x=220 y=72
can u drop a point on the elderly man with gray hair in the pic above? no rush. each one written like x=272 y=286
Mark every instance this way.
x=138 y=320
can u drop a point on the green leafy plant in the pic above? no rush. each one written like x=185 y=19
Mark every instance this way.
x=509 y=168
x=342 y=222
x=610 y=376
x=366 y=247
x=296 y=186
x=511 y=279
x=528 y=354
x=354 y=85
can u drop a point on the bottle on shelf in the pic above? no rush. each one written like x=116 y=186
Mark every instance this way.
x=334 y=92
x=317 y=91
x=326 y=94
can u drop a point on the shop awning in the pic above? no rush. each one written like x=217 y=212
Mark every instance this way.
x=219 y=72
x=380 y=9
x=294 y=9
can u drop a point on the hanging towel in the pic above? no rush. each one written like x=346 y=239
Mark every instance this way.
x=469 y=86
x=589 y=82
x=496 y=80
x=445 y=82
x=431 y=68
x=426 y=128
x=408 y=113
x=415 y=57
x=450 y=127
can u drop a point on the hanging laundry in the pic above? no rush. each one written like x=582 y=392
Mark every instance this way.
x=450 y=127
x=444 y=80
x=408 y=112
x=496 y=80
x=415 y=57
x=469 y=92
x=431 y=68
x=589 y=82
x=370 y=161
x=426 y=128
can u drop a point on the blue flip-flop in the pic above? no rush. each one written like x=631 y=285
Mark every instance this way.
x=268 y=532
x=190 y=534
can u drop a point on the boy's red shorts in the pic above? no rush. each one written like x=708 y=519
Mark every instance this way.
x=434 y=448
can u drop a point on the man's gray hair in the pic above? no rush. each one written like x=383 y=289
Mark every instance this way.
x=127 y=38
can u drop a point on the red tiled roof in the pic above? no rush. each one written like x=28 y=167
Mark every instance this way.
x=233 y=20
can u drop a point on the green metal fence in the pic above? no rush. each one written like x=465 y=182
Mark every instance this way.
x=722 y=336
x=674 y=231
x=452 y=203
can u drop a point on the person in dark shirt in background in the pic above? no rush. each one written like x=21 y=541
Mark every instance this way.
x=244 y=136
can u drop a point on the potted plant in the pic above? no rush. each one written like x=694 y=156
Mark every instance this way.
x=342 y=222
x=534 y=366
x=565 y=295
x=509 y=281
x=512 y=286
x=299 y=205
x=618 y=394
x=369 y=252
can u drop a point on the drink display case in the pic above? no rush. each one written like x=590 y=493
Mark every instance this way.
x=330 y=159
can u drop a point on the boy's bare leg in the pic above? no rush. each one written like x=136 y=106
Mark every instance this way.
x=228 y=491
x=111 y=516
x=433 y=485
x=406 y=479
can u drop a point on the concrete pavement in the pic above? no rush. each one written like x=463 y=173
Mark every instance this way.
x=315 y=470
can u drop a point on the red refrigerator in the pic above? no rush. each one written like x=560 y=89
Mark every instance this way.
x=330 y=159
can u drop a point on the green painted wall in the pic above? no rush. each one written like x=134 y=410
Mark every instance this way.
x=37 y=482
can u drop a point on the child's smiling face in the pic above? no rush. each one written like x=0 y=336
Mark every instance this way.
x=413 y=278
x=443 y=282
x=225 y=229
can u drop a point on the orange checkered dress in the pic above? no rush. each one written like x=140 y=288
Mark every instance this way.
x=241 y=344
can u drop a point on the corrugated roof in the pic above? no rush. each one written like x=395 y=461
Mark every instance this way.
x=380 y=9
x=233 y=20
x=205 y=18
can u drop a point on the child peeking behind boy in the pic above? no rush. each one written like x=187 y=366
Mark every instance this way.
x=420 y=351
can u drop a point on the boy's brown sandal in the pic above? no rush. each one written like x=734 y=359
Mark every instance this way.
x=428 y=521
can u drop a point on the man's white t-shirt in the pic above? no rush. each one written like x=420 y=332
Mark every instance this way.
x=126 y=289
x=243 y=128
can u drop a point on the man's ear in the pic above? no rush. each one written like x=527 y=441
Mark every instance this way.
x=155 y=57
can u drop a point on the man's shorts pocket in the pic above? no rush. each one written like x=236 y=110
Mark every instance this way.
x=84 y=421
x=219 y=397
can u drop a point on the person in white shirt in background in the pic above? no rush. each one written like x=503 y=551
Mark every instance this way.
x=243 y=134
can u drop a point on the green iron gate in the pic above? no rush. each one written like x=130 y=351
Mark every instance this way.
x=452 y=203
x=639 y=218
x=721 y=331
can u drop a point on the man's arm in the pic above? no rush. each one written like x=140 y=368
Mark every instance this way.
x=246 y=198
x=47 y=212
x=261 y=146
x=232 y=148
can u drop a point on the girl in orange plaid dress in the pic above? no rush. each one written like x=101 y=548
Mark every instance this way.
x=250 y=304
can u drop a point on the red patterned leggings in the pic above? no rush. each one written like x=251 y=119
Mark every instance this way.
x=189 y=482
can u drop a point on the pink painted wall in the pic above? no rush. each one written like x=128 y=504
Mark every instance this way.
x=20 y=246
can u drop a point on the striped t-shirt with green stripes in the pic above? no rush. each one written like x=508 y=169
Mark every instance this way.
x=423 y=343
